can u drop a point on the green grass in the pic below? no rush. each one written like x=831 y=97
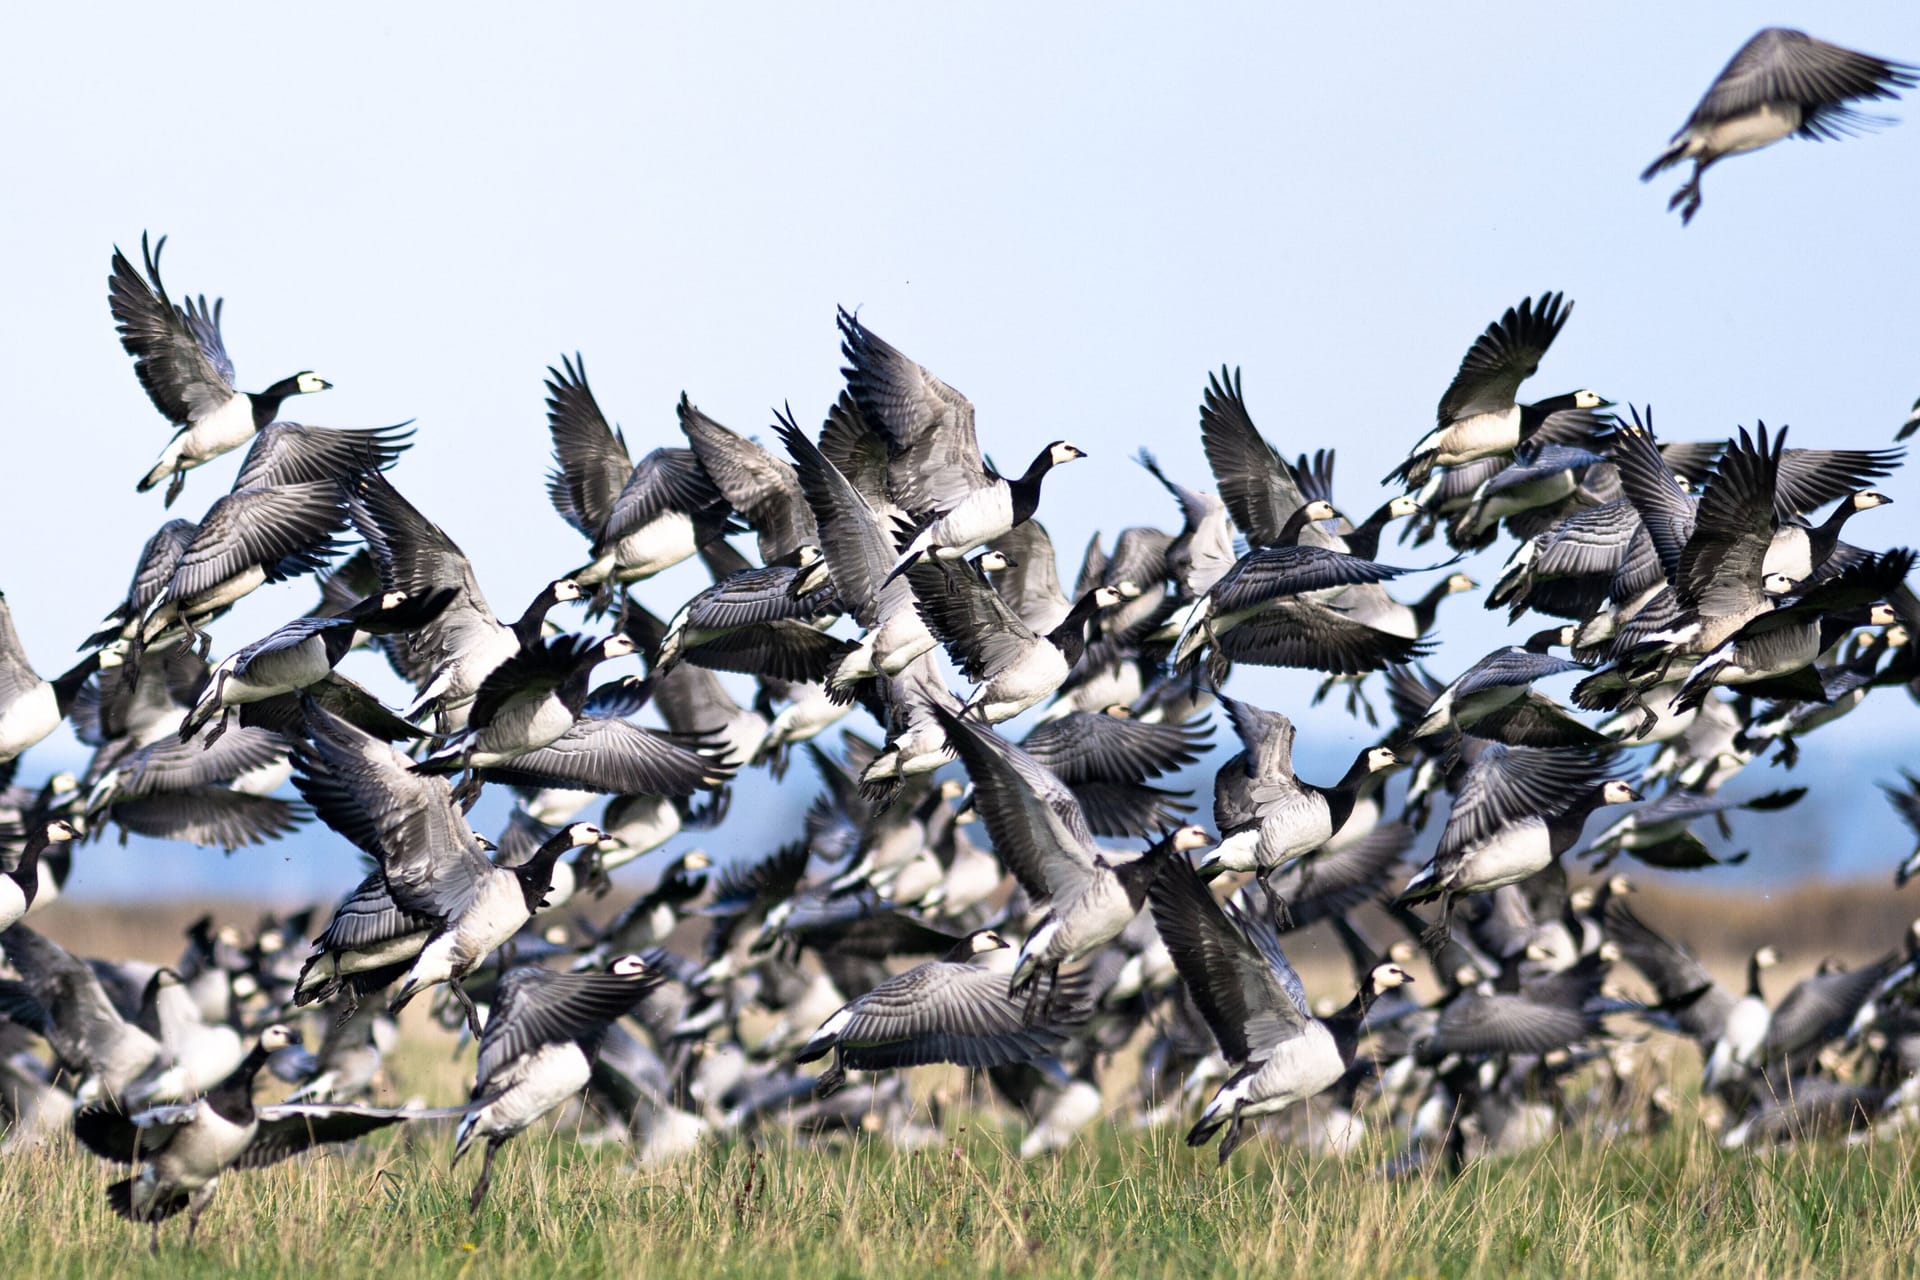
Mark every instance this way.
x=1119 y=1204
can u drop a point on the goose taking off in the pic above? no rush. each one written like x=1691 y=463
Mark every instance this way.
x=1782 y=83
x=181 y=361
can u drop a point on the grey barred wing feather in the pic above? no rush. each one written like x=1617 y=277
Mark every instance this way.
x=1720 y=568
x=591 y=463
x=536 y=1007
x=286 y=1129
x=981 y=632
x=616 y=757
x=177 y=351
x=857 y=545
x=1255 y=482
x=1267 y=736
x=1503 y=357
x=1244 y=997
x=1509 y=783
x=1037 y=826
x=957 y=1013
x=664 y=482
x=1782 y=65
x=934 y=455
x=762 y=488
x=285 y=453
x=258 y=527
x=1507 y=1024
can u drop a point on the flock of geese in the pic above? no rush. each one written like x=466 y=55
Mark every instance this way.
x=1027 y=904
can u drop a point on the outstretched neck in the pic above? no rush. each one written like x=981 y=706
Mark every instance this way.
x=526 y=629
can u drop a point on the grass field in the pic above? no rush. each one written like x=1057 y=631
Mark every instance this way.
x=1119 y=1204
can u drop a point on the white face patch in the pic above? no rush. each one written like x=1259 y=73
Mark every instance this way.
x=308 y=383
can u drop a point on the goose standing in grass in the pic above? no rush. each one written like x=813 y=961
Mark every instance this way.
x=955 y=1009
x=1781 y=83
x=935 y=469
x=1268 y=816
x=181 y=1150
x=181 y=361
x=538 y=1049
x=1254 y=1003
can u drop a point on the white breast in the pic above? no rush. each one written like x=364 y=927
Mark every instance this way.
x=532 y=1087
x=1513 y=853
x=31 y=716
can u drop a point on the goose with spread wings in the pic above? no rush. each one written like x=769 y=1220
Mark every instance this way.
x=182 y=363
x=1782 y=83
x=1253 y=1001
x=935 y=469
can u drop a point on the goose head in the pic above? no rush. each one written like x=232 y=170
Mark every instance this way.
x=1061 y=452
x=628 y=966
x=277 y=1037
x=1617 y=791
x=1403 y=506
x=306 y=382
x=564 y=589
x=1386 y=977
x=1189 y=838
x=1868 y=499
x=994 y=561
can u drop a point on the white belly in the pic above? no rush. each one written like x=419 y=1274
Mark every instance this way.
x=654 y=547
x=13 y=902
x=31 y=717
x=1511 y=855
x=531 y=1088
x=228 y=427
x=1750 y=132
x=201 y=1149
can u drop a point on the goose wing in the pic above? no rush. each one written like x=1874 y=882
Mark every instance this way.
x=1235 y=982
x=856 y=543
x=1699 y=1004
x=934 y=456
x=1292 y=632
x=591 y=464
x=1503 y=357
x=762 y=488
x=1091 y=745
x=1719 y=571
x=289 y=453
x=1780 y=65
x=1267 y=736
x=1031 y=587
x=665 y=481
x=80 y=1022
x=432 y=860
x=285 y=1129
x=17 y=675
x=1811 y=478
x=982 y=634
x=259 y=527
x=535 y=1007
x=177 y=351
x=211 y=816
x=112 y=1134
x=1820 y=1008
x=1039 y=831
x=415 y=556
x=950 y=1012
x=1254 y=480
x=1507 y=784
x=1473 y=1024
x=616 y=757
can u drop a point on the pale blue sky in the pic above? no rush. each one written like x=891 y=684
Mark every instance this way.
x=1070 y=212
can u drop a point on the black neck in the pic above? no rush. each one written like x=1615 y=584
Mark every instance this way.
x=536 y=873
x=1135 y=876
x=1429 y=605
x=1026 y=490
x=1070 y=637
x=1753 y=977
x=527 y=628
x=1345 y=1025
x=27 y=873
x=232 y=1098
x=1365 y=540
x=266 y=404
x=67 y=683
x=1822 y=538
x=1296 y=525
x=1342 y=795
